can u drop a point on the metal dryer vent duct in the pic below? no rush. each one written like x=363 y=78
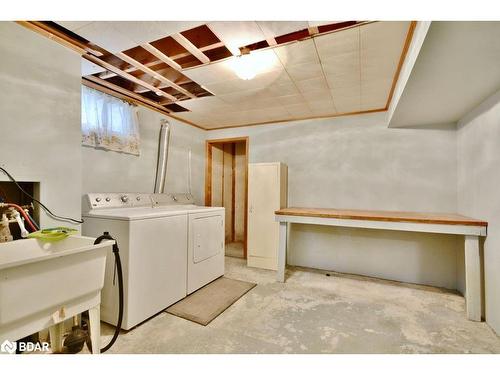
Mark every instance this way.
x=161 y=166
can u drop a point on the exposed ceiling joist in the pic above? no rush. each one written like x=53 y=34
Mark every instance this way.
x=164 y=59
x=128 y=94
x=130 y=69
x=195 y=51
x=119 y=92
x=128 y=76
x=161 y=56
x=39 y=28
x=154 y=74
x=313 y=30
x=271 y=41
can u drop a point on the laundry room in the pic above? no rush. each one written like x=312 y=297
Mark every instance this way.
x=249 y=186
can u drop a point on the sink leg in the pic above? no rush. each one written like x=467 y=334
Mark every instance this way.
x=95 y=328
x=56 y=337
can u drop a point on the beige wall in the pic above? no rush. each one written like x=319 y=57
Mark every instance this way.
x=40 y=132
x=478 y=190
x=107 y=171
x=357 y=162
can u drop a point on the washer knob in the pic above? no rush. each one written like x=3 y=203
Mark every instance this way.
x=124 y=198
x=138 y=198
x=98 y=199
x=108 y=199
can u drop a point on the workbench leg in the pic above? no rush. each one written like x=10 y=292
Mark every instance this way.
x=282 y=251
x=95 y=328
x=56 y=337
x=472 y=278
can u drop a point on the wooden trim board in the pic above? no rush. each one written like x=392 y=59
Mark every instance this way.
x=391 y=216
x=402 y=58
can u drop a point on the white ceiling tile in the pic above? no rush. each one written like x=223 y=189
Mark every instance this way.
x=301 y=72
x=325 y=103
x=206 y=104
x=217 y=76
x=298 y=110
x=149 y=31
x=347 y=99
x=215 y=72
x=89 y=68
x=338 y=42
x=273 y=29
x=226 y=87
x=261 y=81
x=375 y=93
x=290 y=100
x=323 y=112
x=300 y=52
x=383 y=34
x=381 y=47
x=236 y=34
x=343 y=80
x=337 y=82
x=341 y=63
x=347 y=105
x=73 y=25
x=281 y=89
x=346 y=92
x=317 y=95
x=321 y=23
x=314 y=84
x=197 y=118
x=244 y=95
x=116 y=36
x=106 y=36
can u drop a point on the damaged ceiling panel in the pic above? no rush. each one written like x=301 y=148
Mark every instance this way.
x=224 y=74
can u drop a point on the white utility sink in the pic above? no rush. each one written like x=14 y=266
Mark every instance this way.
x=42 y=283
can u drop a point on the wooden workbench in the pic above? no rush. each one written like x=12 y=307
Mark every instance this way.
x=456 y=224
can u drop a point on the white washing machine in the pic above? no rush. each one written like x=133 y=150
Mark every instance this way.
x=165 y=251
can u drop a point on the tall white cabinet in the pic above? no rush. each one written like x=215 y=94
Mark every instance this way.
x=267 y=192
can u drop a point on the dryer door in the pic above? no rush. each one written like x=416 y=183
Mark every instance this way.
x=205 y=248
x=206 y=237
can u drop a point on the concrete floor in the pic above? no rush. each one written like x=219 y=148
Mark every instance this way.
x=314 y=313
x=235 y=250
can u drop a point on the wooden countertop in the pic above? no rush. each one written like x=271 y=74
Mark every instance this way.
x=394 y=216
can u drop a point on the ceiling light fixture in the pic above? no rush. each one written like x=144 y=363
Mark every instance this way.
x=248 y=65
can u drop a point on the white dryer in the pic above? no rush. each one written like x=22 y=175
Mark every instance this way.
x=205 y=250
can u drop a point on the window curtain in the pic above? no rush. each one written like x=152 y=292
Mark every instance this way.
x=109 y=123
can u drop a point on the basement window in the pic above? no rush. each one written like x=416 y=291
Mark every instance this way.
x=109 y=123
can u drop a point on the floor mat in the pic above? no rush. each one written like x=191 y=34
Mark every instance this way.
x=209 y=302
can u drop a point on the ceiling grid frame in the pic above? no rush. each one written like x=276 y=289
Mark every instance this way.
x=166 y=82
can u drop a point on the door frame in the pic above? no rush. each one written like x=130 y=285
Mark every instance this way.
x=209 y=143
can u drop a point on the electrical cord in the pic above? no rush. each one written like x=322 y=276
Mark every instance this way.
x=46 y=209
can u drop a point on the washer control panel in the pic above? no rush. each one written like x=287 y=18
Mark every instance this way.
x=116 y=200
